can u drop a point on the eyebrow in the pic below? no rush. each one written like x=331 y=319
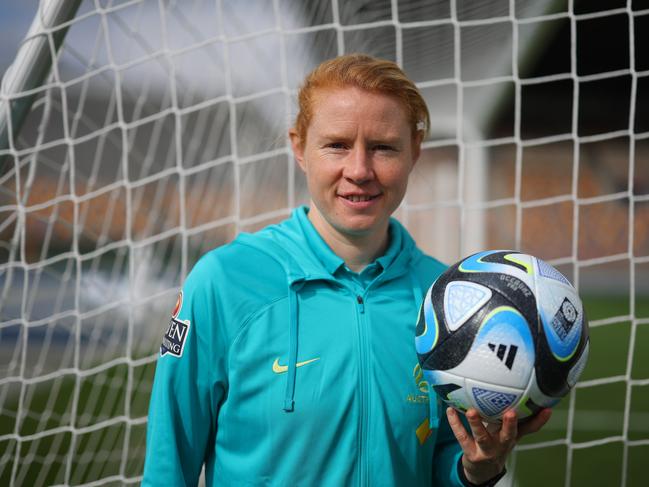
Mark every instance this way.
x=391 y=140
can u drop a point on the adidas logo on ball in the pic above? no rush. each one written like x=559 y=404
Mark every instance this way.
x=500 y=350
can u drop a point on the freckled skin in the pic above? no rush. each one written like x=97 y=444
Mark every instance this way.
x=357 y=156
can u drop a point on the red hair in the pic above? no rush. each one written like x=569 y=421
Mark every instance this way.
x=367 y=73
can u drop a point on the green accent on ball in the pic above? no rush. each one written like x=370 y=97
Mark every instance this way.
x=498 y=310
x=523 y=407
x=528 y=267
x=565 y=359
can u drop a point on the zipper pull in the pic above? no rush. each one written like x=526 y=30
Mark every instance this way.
x=361 y=304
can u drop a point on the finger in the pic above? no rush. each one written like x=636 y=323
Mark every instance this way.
x=535 y=423
x=509 y=430
x=480 y=433
x=463 y=438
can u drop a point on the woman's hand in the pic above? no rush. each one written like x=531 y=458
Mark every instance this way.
x=486 y=448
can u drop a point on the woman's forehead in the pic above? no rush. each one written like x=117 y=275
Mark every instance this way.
x=328 y=93
x=351 y=103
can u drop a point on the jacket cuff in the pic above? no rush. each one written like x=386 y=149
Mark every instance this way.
x=489 y=483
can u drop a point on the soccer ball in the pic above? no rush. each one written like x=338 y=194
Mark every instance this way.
x=502 y=330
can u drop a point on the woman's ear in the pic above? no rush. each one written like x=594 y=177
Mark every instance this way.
x=416 y=146
x=298 y=148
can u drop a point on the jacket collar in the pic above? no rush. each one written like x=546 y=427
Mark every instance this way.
x=315 y=243
x=400 y=241
x=304 y=254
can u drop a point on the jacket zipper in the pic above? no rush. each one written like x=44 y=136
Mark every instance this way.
x=364 y=390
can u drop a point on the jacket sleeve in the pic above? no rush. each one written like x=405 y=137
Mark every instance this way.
x=188 y=387
x=447 y=453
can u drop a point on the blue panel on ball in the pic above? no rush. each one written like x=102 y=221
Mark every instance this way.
x=546 y=270
x=492 y=402
x=425 y=342
x=433 y=377
x=562 y=332
x=475 y=263
x=514 y=324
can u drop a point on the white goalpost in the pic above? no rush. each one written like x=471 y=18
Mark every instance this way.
x=136 y=135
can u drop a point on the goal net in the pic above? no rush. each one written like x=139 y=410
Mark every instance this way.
x=135 y=135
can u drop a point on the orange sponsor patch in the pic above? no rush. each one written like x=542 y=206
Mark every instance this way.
x=179 y=304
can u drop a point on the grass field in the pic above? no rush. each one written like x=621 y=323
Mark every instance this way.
x=103 y=401
x=599 y=411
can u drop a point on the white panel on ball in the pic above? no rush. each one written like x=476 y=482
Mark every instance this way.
x=461 y=300
x=502 y=352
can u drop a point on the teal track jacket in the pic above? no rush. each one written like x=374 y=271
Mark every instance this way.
x=275 y=372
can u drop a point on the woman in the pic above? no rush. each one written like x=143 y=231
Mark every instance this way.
x=290 y=359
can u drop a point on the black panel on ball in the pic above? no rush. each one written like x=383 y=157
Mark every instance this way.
x=421 y=321
x=443 y=390
x=451 y=350
x=499 y=258
x=514 y=292
x=507 y=290
x=532 y=406
x=552 y=374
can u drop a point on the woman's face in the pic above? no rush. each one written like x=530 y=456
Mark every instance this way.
x=357 y=157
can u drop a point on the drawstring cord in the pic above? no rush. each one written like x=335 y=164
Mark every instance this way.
x=289 y=396
x=293 y=290
x=295 y=283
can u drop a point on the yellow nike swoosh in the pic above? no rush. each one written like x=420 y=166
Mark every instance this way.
x=280 y=369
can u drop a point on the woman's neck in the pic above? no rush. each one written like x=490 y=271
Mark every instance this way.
x=356 y=250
